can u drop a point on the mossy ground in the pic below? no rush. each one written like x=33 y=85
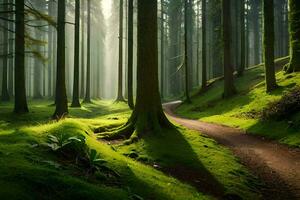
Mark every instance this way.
x=31 y=172
x=244 y=109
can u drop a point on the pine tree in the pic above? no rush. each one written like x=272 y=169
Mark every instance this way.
x=75 y=102
x=269 y=37
x=229 y=88
x=20 y=89
x=148 y=115
x=294 y=23
x=61 y=101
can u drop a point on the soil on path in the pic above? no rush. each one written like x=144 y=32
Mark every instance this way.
x=276 y=165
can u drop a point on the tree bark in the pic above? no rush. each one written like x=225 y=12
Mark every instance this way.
x=268 y=8
x=294 y=23
x=130 y=54
x=20 y=89
x=87 y=98
x=148 y=116
x=186 y=57
x=61 y=100
x=120 y=66
x=162 y=48
x=229 y=88
x=5 y=94
x=242 y=67
x=204 y=61
x=82 y=90
x=75 y=102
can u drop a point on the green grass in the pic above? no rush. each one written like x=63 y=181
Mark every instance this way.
x=242 y=111
x=33 y=172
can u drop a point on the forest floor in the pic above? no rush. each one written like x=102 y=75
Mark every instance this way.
x=174 y=164
x=277 y=165
x=238 y=123
x=245 y=110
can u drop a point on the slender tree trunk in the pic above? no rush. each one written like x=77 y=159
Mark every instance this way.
x=61 y=100
x=75 y=102
x=186 y=57
x=255 y=18
x=242 y=67
x=294 y=23
x=5 y=94
x=50 y=50
x=204 y=62
x=120 y=67
x=82 y=90
x=229 y=88
x=162 y=48
x=87 y=98
x=130 y=54
x=269 y=37
x=20 y=89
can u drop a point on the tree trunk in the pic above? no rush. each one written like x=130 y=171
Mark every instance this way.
x=186 y=57
x=148 y=116
x=87 y=98
x=5 y=94
x=268 y=7
x=162 y=48
x=130 y=54
x=61 y=100
x=120 y=67
x=229 y=88
x=20 y=89
x=82 y=90
x=294 y=23
x=75 y=101
x=204 y=62
x=242 y=67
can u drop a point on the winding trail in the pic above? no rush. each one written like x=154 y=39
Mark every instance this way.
x=276 y=165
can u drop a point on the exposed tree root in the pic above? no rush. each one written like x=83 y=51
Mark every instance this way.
x=138 y=126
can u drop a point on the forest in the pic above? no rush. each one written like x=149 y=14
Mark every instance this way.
x=149 y=99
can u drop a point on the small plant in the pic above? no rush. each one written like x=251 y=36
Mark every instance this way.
x=60 y=142
x=94 y=161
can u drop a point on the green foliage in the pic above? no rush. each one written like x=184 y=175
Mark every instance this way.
x=59 y=142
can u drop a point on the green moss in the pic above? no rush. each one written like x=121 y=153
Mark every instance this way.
x=32 y=172
x=243 y=110
x=190 y=152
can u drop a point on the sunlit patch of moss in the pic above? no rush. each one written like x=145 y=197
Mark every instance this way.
x=197 y=153
x=244 y=110
x=29 y=170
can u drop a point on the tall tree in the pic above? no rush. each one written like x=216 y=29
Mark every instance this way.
x=130 y=54
x=162 y=48
x=204 y=62
x=294 y=23
x=148 y=115
x=5 y=94
x=269 y=37
x=75 y=101
x=50 y=51
x=242 y=66
x=20 y=89
x=229 y=88
x=61 y=101
x=120 y=65
x=186 y=56
x=87 y=98
x=82 y=90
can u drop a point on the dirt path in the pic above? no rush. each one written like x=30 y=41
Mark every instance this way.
x=277 y=165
